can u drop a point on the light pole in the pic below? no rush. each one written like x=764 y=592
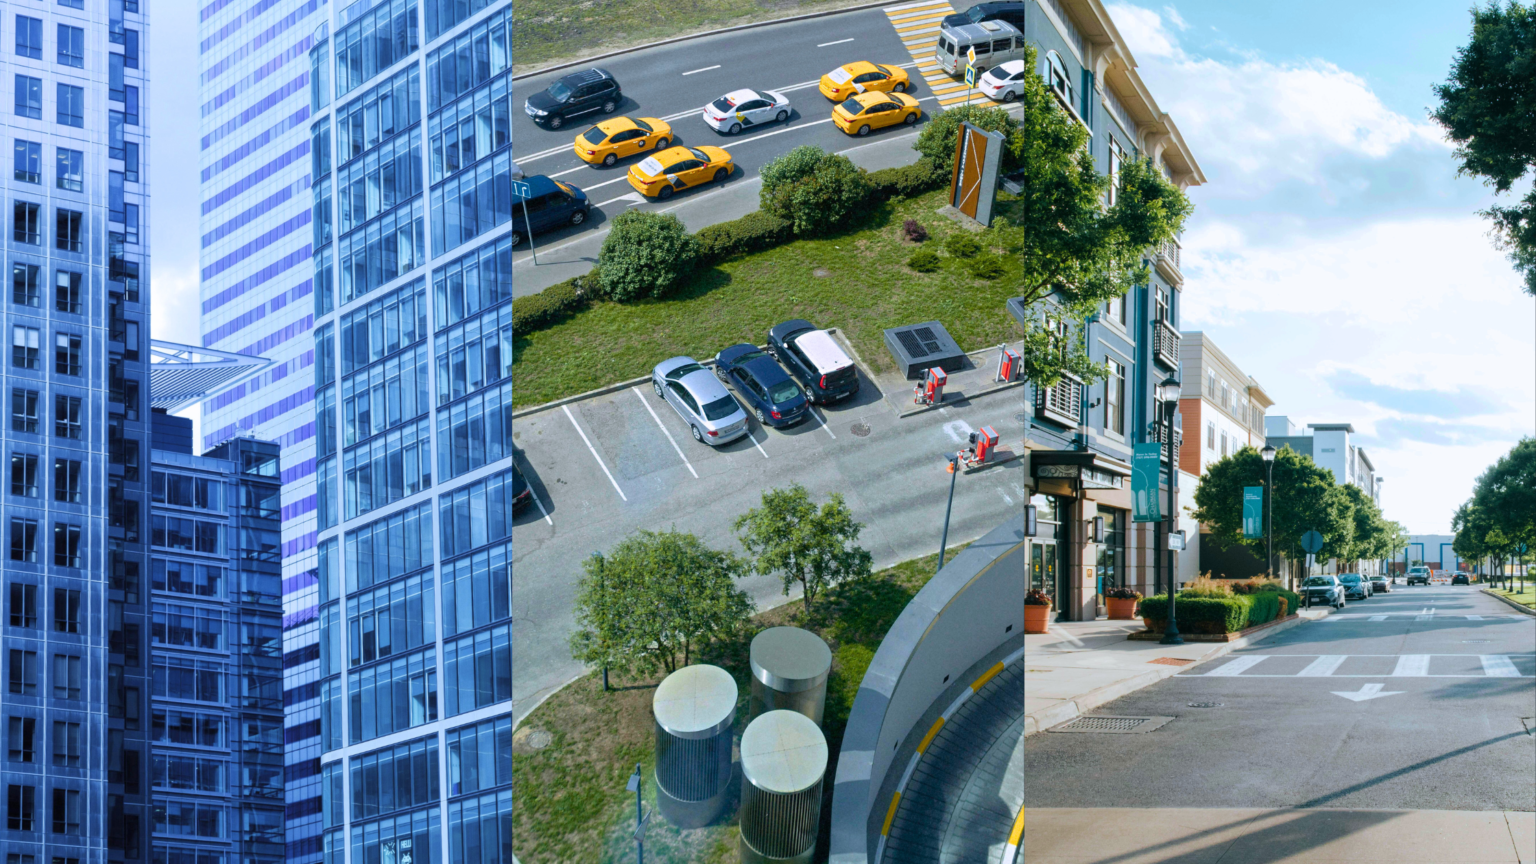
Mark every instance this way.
x=1269 y=508
x=954 y=469
x=1168 y=395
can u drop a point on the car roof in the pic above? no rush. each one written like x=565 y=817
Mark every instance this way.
x=586 y=76
x=859 y=67
x=824 y=354
x=616 y=124
x=1011 y=67
x=742 y=95
x=764 y=368
x=704 y=386
x=538 y=185
x=978 y=32
x=873 y=97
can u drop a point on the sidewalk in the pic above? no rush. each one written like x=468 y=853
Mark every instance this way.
x=1081 y=665
x=1282 y=836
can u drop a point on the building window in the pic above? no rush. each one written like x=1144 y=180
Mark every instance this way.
x=66 y=353
x=24 y=410
x=29 y=37
x=1162 y=305
x=66 y=553
x=67 y=746
x=24 y=475
x=71 y=46
x=1210 y=435
x=1116 y=161
x=66 y=296
x=25 y=348
x=67 y=676
x=1114 y=399
x=1210 y=383
x=66 y=236
x=1058 y=78
x=479 y=756
x=29 y=97
x=66 y=809
x=26 y=224
x=71 y=105
x=448 y=73
x=23 y=672
x=25 y=288
x=23 y=539
x=1111 y=557
x=20 y=807
x=66 y=417
x=21 y=738
x=373 y=43
x=23 y=609
x=1223 y=443
x=70 y=166
x=29 y=161
x=66 y=481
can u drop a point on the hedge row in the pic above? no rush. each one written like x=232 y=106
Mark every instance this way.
x=1221 y=614
x=753 y=232
x=552 y=305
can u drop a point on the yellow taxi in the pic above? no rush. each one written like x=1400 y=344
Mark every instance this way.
x=612 y=140
x=863 y=77
x=661 y=174
x=860 y=114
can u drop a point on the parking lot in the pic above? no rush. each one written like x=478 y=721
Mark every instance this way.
x=604 y=467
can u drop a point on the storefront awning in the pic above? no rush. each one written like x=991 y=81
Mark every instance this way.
x=1093 y=470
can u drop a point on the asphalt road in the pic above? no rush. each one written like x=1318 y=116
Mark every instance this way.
x=1455 y=671
x=608 y=466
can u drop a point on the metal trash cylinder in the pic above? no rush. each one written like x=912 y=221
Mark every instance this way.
x=783 y=764
x=789 y=671
x=694 y=709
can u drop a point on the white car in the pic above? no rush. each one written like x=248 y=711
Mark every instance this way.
x=1003 y=83
x=742 y=109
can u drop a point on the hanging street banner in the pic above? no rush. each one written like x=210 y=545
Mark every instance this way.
x=1253 y=512
x=1146 y=465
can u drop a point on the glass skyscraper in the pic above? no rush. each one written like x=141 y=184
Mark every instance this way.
x=390 y=398
x=75 y=670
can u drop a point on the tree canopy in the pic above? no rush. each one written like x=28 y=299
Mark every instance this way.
x=1305 y=499
x=788 y=535
x=1488 y=107
x=1500 y=517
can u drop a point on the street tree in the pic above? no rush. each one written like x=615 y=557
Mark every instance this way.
x=813 y=190
x=1488 y=107
x=653 y=596
x=1305 y=499
x=815 y=547
x=1374 y=537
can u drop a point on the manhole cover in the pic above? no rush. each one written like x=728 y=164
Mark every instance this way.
x=1205 y=704
x=1112 y=725
x=859 y=429
x=528 y=739
x=1171 y=661
x=821 y=272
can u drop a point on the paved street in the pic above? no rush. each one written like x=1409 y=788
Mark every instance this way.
x=1419 y=699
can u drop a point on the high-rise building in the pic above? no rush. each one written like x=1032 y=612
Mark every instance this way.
x=397 y=478
x=216 y=718
x=76 y=684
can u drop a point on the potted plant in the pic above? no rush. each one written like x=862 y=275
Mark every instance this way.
x=1037 y=611
x=1122 y=603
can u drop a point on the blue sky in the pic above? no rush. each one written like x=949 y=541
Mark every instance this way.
x=1334 y=254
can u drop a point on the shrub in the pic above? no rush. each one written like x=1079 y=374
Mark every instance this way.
x=549 y=307
x=962 y=245
x=814 y=190
x=1123 y=593
x=1263 y=607
x=924 y=261
x=753 y=232
x=1200 y=614
x=1205 y=586
x=645 y=255
x=914 y=231
x=987 y=266
x=937 y=140
x=906 y=181
x=1037 y=597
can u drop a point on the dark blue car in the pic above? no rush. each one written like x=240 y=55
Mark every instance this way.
x=771 y=395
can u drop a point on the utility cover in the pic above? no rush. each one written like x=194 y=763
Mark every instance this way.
x=923 y=346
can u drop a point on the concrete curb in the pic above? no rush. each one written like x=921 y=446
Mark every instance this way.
x=1071 y=709
x=863 y=7
x=1526 y=609
x=968 y=396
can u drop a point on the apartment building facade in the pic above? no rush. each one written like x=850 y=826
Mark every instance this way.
x=76 y=676
x=1331 y=446
x=1080 y=437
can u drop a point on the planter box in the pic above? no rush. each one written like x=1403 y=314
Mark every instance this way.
x=1037 y=619
x=1122 y=610
x=1156 y=632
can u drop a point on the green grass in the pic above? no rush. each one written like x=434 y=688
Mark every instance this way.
x=545 y=32
x=571 y=803
x=1526 y=598
x=865 y=287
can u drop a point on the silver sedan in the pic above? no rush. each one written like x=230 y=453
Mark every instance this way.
x=711 y=412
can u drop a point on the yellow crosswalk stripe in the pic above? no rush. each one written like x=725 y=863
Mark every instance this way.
x=919 y=27
x=932 y=12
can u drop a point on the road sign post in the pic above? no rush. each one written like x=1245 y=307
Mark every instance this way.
x=522 y=190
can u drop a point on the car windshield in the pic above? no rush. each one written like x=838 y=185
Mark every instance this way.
x=1349 y=578
x=594 y=136
x=721 y=408
x=569 y=190
x=976 y=14
x=558 y=91
x=723 y=105
x=783 y=392
x=644 y=125
x=748 y=357
x=852 y=107
x=699 y=154
x=1319 y=582
x=685 y=369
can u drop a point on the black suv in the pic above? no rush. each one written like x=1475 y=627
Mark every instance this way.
x=1011 y=11
x=574 y=95
x=811 y=355
x=1460 y=579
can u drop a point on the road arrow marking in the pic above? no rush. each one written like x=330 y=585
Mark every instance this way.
x=1366 y=692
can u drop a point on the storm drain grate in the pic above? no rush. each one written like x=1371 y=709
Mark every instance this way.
x=1112 y=725
x=859 y=429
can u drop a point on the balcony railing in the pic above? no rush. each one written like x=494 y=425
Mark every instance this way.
x=1168 y=262
x=1062 y=403
x=1165 y=343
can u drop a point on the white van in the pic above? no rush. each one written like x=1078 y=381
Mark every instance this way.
x=996 y=42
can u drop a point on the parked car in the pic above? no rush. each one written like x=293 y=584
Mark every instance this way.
x=1324 y=591
x=995 y=42
x=1460 y=579
x=612 y=140
x=1003 y=83
x=773 y=397
x=739 y=109
x=522 y=493
x=815 y=359
x=575 y=95
x=713 y=415
x=1418 y=575
x=1380 y=585
x=1355 y=588
x=1011 y=11
x=550 y=204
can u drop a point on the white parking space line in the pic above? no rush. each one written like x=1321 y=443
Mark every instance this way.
x=753 y=439
x=1237 y=667
x=1499 y=666
x=1323 y=666
x=1412 y=665
x=536 y=500
x=705 y=69
x=838 y=42
x=572 y=418
x=670 y=439
x=823 y=423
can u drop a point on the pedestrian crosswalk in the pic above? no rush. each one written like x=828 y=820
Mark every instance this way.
x=1370 y=666
x=918 y=25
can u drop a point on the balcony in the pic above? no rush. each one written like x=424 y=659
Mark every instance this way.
x=1168 y=263
x=1062 y=403
x=1165 y=343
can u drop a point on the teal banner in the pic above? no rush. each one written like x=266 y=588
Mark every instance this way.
x=1146 y=503
x=1253 y=512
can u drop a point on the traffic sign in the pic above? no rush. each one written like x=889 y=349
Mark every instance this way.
x=1176 y=541
x=520 y=189
x=970 y=55
x=1312 y=542
x=970 y=76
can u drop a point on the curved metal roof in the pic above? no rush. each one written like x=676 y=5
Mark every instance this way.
x=183 y=375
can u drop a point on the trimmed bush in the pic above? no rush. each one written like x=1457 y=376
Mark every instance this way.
x=906 y=181
x=987 y=266
x=914 y=231
x=937 y=140
x=645 y=255
x=1263 y=607
x=753 y=232
x=924 y=261
x=962 y=245
x=1200 y=614
x=550 y=306
x=814 y=190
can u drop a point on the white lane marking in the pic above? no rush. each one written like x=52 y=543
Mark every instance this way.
x=542 y=153
x=958 y=430
x=1412 y=665
x=1499 y=666
x=753 y=439
x=593 y=450
x=535 y=496
x=705 y=69
x=822 y=422
x=606 y=183
x=1323 y=666
x=1237 y=667
x=670 y=439
x=1378 y=618
x=581 y=167
x=1368 y=692
x=838 y=42
x=633 y=199
x=1474 y=617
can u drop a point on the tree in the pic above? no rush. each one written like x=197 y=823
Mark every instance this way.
x=1306 y=499
x=654 y=594
x=1488 y=107
x=789 y=536
x=1506 y=492
x=1374 y=537
x=645 y=255
x=814 y=190
x=1076 y=252
x=937 y=140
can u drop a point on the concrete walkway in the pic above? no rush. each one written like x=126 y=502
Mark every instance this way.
x=1282 y=836
x=1080 y=665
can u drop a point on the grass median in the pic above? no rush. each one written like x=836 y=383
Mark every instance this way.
x=571 y=803
x=858 y=282
x=1525 y=594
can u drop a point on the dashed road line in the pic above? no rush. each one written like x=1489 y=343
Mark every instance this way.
x=705 y=69
x=838 y=42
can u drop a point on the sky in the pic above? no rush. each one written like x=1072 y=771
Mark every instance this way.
x=1333 y=254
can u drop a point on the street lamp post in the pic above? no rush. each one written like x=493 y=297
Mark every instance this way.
x=954 y=469
x=1269 y=508
x=1168 y=395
